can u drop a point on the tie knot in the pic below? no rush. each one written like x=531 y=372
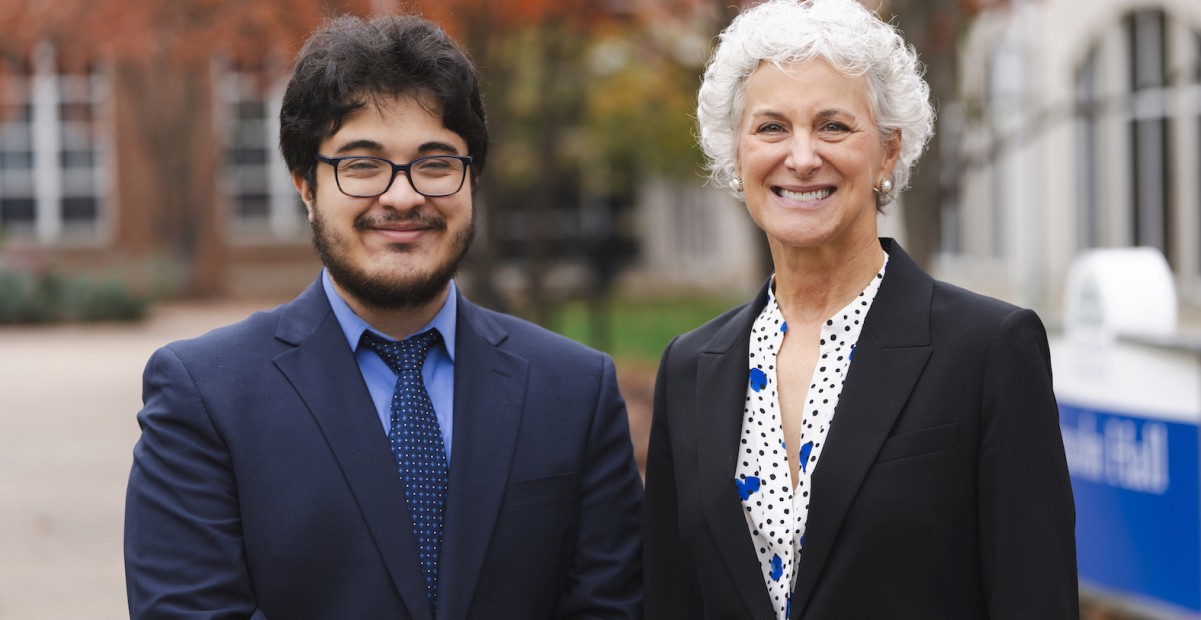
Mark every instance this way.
x=408 y=354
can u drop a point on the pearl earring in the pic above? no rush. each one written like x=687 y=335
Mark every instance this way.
x=736 y=184
x=885 y=186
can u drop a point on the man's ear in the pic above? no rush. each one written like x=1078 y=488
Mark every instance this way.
x=306 y=192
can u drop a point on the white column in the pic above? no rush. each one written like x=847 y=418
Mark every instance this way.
x=284 y=214
x=47 y=169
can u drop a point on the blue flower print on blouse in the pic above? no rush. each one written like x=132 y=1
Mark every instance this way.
x=777 y=568
x=746 y=487
x=758 y=379
x=805 y=451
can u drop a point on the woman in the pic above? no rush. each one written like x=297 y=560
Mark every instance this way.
x=859 y=441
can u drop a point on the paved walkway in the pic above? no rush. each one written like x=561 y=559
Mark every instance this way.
x=69 y=396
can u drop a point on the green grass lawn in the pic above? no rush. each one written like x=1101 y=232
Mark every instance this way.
x=635 y=330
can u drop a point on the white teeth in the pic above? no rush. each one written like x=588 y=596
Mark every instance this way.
x=814 y=195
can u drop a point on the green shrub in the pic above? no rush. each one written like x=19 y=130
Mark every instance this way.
x=25 y=298
x=50 y=296
x=104 y=299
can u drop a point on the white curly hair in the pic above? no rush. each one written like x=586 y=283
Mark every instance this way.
x=853 y=40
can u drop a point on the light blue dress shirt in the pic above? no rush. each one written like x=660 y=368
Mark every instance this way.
x=438 y=371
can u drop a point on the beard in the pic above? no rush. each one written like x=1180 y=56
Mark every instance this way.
x=390 y=291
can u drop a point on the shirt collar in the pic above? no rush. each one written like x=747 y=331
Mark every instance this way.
x=353 y=325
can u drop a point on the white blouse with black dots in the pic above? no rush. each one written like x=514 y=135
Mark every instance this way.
x=775 y=511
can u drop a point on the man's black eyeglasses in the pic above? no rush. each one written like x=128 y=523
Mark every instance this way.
x=368 y=177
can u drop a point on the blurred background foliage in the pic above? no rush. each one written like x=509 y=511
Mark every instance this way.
x=28 y=297
x=586 y=100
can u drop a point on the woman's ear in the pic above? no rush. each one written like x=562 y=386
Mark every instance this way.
x=892 y=152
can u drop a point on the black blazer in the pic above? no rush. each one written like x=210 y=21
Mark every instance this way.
x=943 y=491
x=263 y=484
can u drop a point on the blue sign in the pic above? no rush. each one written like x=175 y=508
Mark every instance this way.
x=1138 y=503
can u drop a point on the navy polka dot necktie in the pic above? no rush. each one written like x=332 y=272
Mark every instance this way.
x=416 y=440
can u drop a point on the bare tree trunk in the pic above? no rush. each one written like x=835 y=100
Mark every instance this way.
x=479 y=39
x=175 y=112
x=931 y=26
x=554 y=115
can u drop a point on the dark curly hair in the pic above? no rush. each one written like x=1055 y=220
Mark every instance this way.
x=351 y=62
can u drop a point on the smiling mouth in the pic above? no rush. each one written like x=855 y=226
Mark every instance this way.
x=803 y=196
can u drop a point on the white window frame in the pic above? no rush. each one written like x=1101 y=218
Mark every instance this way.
x=1150 y=158
x=45 y=91
x=285 y=219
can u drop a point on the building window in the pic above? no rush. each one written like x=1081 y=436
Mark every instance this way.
x=1149 y=157
x=1136 y=93
x=18 y=198
x=1000 y=148
x=52 y=173
x=257 y=187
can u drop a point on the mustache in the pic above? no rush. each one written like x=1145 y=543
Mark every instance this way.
x=427 y=220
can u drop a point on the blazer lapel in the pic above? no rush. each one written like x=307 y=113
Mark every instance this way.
x=889 y=358
x=324 y=372
x=721 y=385
x=490 y=386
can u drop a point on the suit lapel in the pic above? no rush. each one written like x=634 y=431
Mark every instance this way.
x=889 y=358
x=490 y=386
x=324 y=372
x=721 y=385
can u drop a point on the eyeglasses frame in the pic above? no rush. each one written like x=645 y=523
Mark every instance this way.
x=396 y=169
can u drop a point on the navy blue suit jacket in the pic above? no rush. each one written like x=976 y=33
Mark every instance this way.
x=942 y=493
x=263 y=485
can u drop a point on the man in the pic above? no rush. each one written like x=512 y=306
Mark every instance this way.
x=294 y=465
